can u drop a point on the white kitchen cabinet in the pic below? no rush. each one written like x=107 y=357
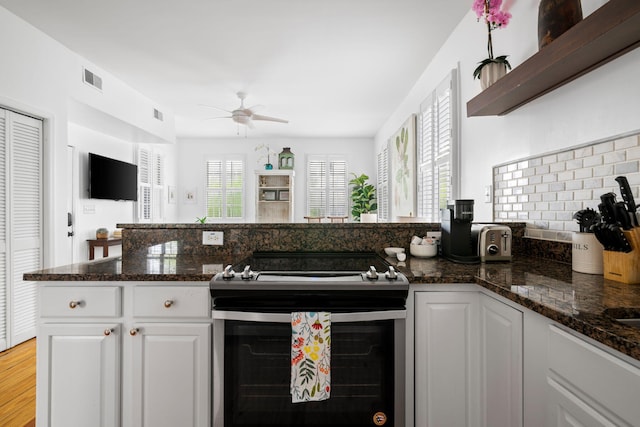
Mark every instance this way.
x=131 y=354
x=501 y=387
x=169 y=374
x=274 y=196
x=78 y=375
x=446 y=366
x=587 y=386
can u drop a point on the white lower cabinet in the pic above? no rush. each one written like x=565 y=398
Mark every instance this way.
x=587 y=386
x=124 y=354
x=446 y=369
x=167 y=374
x=468 y=361
x=501 y=399
x=78 y=375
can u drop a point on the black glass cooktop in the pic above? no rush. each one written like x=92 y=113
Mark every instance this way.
x=313 y=261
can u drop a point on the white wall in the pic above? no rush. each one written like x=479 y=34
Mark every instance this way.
x=41 y=77
x=599 y=105
x=192 y=154
x=92 y=214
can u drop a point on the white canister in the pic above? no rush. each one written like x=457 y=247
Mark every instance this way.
x=586 y=254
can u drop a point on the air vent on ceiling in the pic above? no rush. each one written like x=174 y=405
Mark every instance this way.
x=92 y=79
x=157 y=114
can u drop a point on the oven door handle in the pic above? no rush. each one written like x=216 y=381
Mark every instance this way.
x=365 y=316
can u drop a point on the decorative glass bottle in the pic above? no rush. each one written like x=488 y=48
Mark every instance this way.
x=285 y=159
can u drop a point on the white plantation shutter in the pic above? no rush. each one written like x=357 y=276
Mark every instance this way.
x=438 y=172
x=327 y=187
x=20 y=223
x=144 y=185
x=383 y=184
x=224 y=188
x=3 y=233
x=158 y=196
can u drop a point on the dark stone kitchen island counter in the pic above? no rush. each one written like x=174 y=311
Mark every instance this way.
x=586 y=303
x=583 y=302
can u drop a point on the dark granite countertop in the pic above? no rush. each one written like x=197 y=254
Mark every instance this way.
x=583 y=302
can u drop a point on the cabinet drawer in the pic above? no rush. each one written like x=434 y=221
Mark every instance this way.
x=80 y=301
x=171 y=301
x=600 y=377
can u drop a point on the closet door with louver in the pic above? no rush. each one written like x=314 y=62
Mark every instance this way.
x=21 y=211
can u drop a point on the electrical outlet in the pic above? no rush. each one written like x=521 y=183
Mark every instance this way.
x=211 y=268
x=212 y=238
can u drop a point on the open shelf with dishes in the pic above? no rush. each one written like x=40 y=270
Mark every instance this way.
x=274 y=196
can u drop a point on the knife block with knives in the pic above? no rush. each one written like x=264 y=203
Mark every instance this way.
x=622 y=262
x=624 y=266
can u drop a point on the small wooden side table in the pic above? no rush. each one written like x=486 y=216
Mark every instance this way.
x=102 y=243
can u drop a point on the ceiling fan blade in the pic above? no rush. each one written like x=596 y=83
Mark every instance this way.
x=269 y=119
x=221 y=117
x=216 y=108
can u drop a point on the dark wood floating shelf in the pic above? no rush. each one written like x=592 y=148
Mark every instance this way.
x=609 y=32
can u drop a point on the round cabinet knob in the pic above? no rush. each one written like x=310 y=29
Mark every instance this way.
x=168 y=303
x=133 y=332
x=108 y=332
x=74 y=304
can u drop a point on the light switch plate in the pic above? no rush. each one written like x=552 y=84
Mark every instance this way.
x=487 y=193
x=212 y=238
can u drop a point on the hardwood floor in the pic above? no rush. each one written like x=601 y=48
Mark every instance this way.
x=18 y=385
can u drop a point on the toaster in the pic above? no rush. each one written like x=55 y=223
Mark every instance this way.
x=494 y=243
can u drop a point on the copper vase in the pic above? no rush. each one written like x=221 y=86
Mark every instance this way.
x=555 y=17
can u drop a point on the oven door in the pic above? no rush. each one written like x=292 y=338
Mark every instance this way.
x=252 y=368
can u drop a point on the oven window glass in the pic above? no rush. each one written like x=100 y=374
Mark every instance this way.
x=257 y=370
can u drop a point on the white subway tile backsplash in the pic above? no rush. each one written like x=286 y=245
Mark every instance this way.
x=604 y=147
x=546 y=191
x=588 y=162
x=625 y=168
x=628 y=142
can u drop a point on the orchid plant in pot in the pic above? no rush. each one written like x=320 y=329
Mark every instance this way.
x=492 y=68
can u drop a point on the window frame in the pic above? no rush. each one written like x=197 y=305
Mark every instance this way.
x=328 y=191
x=433 y=191
x=224 y=191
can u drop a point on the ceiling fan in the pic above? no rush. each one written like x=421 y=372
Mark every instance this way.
x=245 y=116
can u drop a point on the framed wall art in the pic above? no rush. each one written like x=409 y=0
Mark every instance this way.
x=402 y=150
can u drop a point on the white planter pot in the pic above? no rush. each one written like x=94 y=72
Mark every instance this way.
x=368 y=217
x=491 y=72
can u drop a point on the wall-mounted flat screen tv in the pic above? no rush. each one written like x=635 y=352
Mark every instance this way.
x=112 y=179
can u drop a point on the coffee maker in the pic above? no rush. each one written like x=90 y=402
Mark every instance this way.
x=458 y=242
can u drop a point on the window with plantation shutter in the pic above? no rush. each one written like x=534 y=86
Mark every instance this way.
x=383 y=184
x=151 y=185
x=224 y=189
x=144 y=185
x=437 y=163
x=158 y=198
x=327 y=187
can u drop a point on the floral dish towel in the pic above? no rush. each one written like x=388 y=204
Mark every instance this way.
x=310 y=356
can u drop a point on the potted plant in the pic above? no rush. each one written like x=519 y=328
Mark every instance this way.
x=363 y=198
x=492 y=68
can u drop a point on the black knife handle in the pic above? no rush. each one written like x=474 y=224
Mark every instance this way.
x=627 y=195
x=622 y=216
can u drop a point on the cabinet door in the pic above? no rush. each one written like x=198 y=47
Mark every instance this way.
x=446 y=368
x=567 y=410
x=170 y=375
x=500 y=364
x=78 y=374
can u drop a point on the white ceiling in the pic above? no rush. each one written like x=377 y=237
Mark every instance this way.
x=332 y=68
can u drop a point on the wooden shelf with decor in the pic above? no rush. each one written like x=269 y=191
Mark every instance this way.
x=607 y=33
x=274 y=196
